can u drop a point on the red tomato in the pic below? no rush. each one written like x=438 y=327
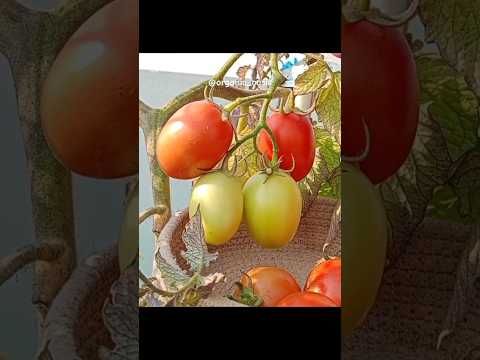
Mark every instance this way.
x=193 y=140
x=295 y=136
x=339 y=55
x=272 y=284
x=306 y=299
x=379 y=84
x=326 y=279
x=89 y=100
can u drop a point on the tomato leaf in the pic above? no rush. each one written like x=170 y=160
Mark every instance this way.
x=466 y=185
x=316 y=76
x=120 y=315
x=172 y=275
x=453 y=26
x=444 y=86
x=407 y=193
x=329 y=104
x=324 y=177
x=196 y=253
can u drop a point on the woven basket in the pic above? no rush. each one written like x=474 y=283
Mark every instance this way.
x=74 y=325
x=242 y=253
x=413 y=302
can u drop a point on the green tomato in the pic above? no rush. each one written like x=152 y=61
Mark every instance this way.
x=219 y=197
x=364 y=246
x=128 y=243
x=273 y=207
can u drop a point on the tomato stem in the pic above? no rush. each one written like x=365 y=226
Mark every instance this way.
x=277 y=80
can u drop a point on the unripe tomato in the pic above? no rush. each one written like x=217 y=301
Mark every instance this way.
x=273 y=206
x=193 y=140
x=128 y=243
x=364 y=244
x=220 y=199
x=326 y=279
x=306 y=299
x=270 y=283
x=295 y=137
x=379 y=85
x=89 y=100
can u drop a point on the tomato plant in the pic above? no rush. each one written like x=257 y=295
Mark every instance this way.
x=220 y=200
x=382 y=92
x=326 y=278
x=268 y=284
x=193 y=140
x=306 y=299
x=364 y=238
x=296 y=142
x=273 y=206
x=83 y=101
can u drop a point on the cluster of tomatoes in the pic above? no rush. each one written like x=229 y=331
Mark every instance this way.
x=197 y=137
x=380 y=103
x=273 y=286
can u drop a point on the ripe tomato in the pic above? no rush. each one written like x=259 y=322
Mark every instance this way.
x=273 y=206
x=379 y=85
x=306 y=299
x=326 y=279
x=193 y=140
x=128 y=243
x=339 y=55
x=295 y=137
x=269 y=283
x=221 y=206
x=89 y=100
x=364 y=240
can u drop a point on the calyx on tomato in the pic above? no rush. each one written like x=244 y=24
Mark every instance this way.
x=247 y=295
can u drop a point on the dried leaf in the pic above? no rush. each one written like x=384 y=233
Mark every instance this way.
x=120 y=315
x=196 y=253
x=242 y=72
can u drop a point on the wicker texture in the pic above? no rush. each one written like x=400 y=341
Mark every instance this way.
x=414 y=299
x=242 y=253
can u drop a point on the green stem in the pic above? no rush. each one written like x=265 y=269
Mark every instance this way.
x=277 y=80
x=224 y=69
x=240 y=101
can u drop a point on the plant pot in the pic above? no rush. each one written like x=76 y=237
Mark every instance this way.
x=74 y=325
x=413 y=302
x=242 y=253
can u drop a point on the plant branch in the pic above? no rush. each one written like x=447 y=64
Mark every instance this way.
x=26 y=255
x=224 y=69
x=277 y=80
x=157 y=210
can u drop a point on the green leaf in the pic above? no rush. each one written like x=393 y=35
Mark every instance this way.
x=172 y=275
x=407 y=193
x=453 y=26
x=196 y=253
x=466 y=184
x=324 y=178
x=329 y=104
x=454 y=106
x=312 y=79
